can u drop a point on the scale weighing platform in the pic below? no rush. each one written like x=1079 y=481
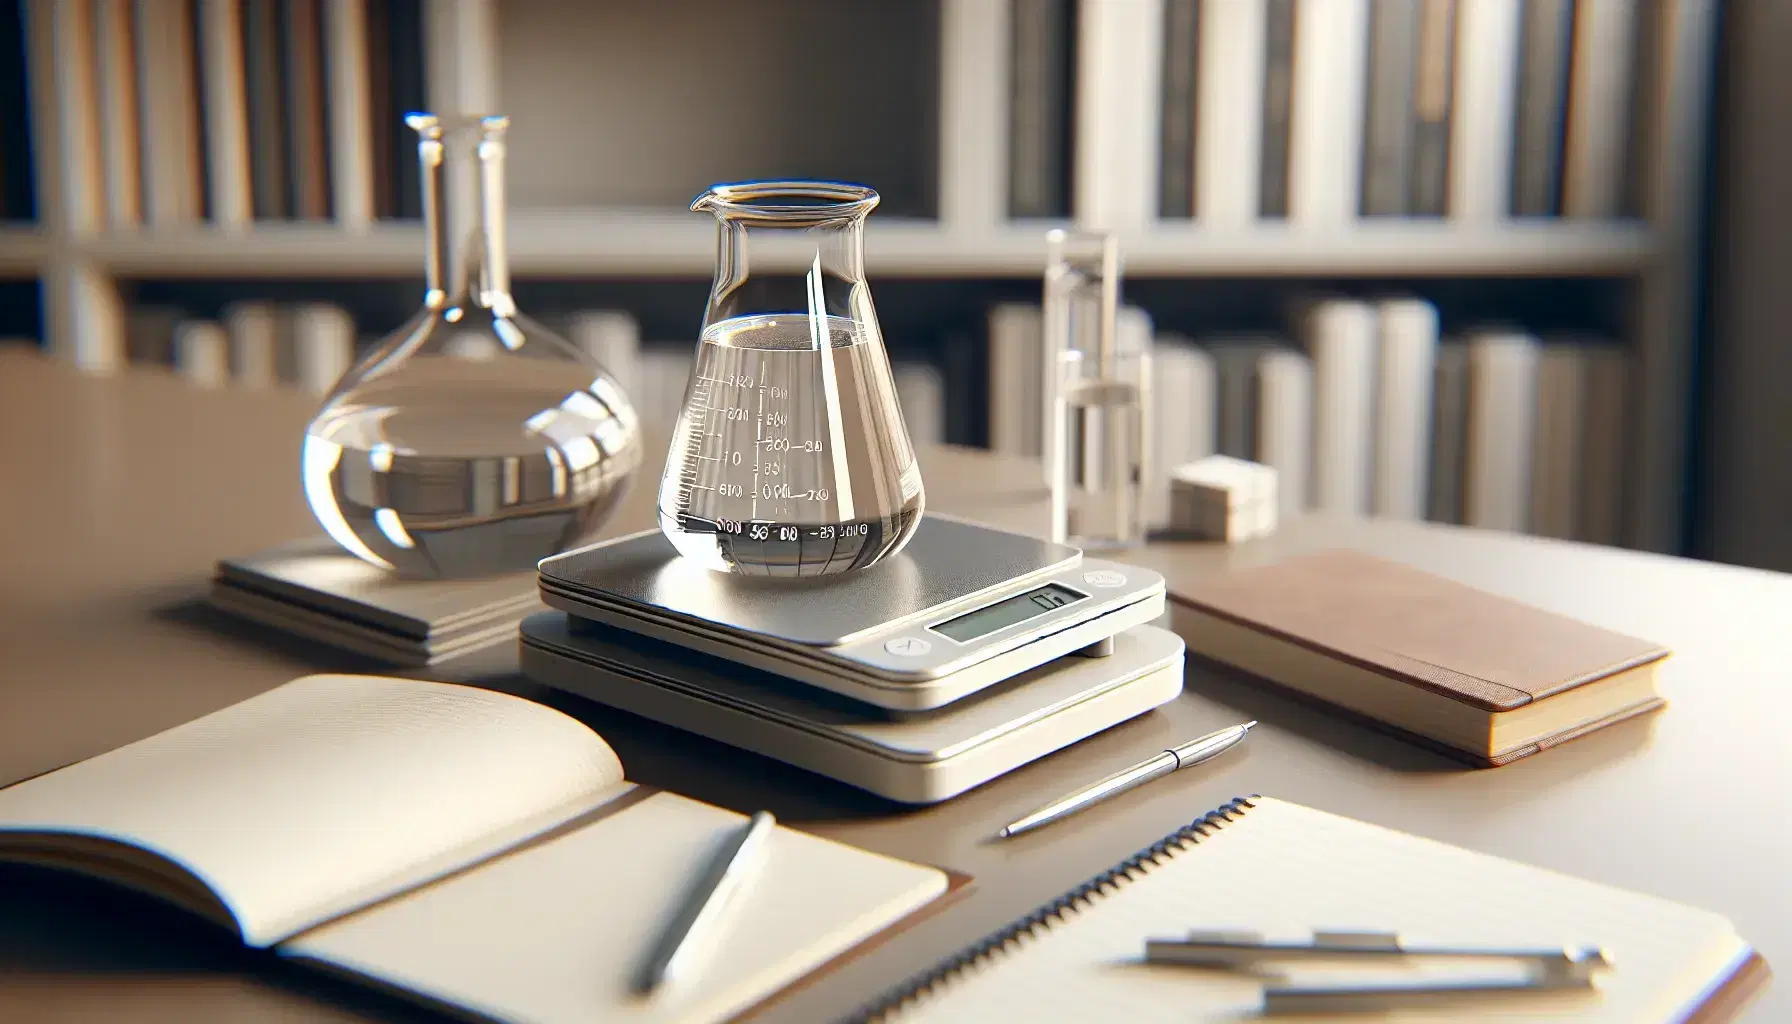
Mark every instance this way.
x=969 y=653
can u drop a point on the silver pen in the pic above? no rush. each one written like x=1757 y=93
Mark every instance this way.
x=1191 y=753
x=706 y=902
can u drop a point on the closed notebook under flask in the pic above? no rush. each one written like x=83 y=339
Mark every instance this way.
x=473 y=440
x=790 y=457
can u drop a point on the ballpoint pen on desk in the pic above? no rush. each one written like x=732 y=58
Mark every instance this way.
x=706 y=902
x=1191 y=753
x=1539 y=969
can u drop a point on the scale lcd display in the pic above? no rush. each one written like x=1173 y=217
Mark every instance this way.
x=1005 y=613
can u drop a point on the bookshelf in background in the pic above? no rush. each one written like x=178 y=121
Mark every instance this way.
x=1272 y=140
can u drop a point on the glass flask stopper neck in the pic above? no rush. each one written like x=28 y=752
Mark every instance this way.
x=814 y=258
x=466 y=241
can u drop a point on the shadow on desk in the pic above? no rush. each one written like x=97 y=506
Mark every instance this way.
x=1363 y=740
x=140 y=959
x=198 y=614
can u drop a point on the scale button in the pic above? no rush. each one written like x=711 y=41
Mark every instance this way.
x=908 y=646
x=1104 y=578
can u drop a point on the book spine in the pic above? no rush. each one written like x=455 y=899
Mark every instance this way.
x=1182 y=414
x=323 y=340
x=1176 y=150
x=1481 y=130
x=1341 y=339
x=1432 y=107
x=226 y=113
x=1407 y=368
x=307 y=142
x=921 y=394
x=1016 y=348
x=613 y=339
x=1602 y=478
x=116 y=87
x=1449 y=434
x=1285 y=425
x=350 y=107
x=1228 y=114
x=974 y=84
x=1502 y=401
x=254 y=332
x=1650 y=67
x=1331 y=45
x=382 y=114
x=1599 y=108
x=170 y=113
x=202 y=353
x=1119 y=47
x=1542 y=114
x=1388 y=120
x=1235 y=363
x=1557 y=442
x=267 y=115
x=1039 y=108
x=1276 y=97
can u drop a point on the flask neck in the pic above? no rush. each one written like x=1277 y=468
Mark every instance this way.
x=811 y=237
x=467 y=257
x=773 y=269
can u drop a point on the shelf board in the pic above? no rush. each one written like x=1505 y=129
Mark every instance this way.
x=268 y=250
x=621 y=244
x=23 y=250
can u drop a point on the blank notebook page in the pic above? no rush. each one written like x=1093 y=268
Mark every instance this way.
x=1286 y=871
x=556 y=932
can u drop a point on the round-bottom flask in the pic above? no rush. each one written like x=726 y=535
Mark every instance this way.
x=790 y=457
x=473 y=441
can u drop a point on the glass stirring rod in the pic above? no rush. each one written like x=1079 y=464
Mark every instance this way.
x=1191 y=753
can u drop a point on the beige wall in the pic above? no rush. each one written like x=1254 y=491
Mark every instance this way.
x=1748 y=448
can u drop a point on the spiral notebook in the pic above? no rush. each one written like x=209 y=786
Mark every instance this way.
x=1282 y=870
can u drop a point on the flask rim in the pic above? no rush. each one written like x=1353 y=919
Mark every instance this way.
x=791 y=202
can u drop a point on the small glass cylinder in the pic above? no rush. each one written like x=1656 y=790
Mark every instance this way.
x=1101 y=412
x=1081 y=310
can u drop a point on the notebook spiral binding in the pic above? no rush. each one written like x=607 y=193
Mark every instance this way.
x=1042 y=919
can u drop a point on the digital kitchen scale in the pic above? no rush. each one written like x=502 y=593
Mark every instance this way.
x=961 y=608
x=912 y=758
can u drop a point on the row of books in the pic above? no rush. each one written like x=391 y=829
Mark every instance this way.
x=1369 y=412
x=1229 y=111
x=231 y=111
x=309 y=345
x=654 y=375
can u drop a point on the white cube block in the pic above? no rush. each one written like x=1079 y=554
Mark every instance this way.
x=1223 y=498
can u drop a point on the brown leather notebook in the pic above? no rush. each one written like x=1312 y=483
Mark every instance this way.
x=1481 y=677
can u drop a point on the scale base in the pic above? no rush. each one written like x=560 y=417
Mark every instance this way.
x=911 y=758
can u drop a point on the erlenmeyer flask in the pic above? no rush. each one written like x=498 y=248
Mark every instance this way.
x=790 y=457
x=473 y=440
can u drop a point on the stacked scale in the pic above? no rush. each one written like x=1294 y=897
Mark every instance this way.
x=964 y=656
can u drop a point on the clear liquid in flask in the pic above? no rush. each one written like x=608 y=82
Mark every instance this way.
x=448 y=467
x=790 y=457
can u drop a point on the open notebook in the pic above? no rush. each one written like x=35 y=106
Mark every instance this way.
x=467 y=847
x=1282 y=870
